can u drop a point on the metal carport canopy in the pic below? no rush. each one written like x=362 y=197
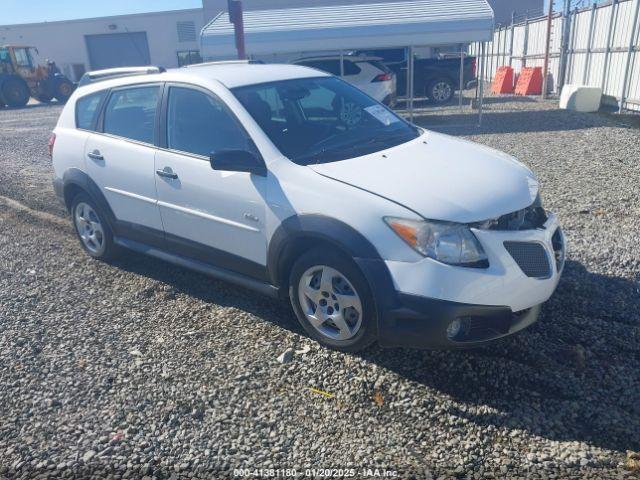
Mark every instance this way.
x=369 y=25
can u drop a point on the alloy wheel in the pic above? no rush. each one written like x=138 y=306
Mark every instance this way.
x=441 y=91
x=330 y=302
x=89 y=228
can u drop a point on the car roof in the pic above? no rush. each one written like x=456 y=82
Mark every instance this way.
x=241 y=74
x=230 y=74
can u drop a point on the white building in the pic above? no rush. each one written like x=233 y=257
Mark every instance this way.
x=160 y=38
x=168 y=39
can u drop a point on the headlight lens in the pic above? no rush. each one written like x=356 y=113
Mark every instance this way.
x=451 y=243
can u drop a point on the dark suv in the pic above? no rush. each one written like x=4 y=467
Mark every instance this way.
x=434 y=78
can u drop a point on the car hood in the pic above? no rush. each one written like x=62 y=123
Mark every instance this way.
x=441 y=178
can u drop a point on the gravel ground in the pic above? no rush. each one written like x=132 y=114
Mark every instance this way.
x=140 y=368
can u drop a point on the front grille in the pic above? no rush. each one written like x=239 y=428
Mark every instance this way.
x=531 y=258
x=529 y=218
x=487 y=326
x=480 y=328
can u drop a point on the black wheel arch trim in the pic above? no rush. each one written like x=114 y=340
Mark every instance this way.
x=76 y=177
x=314 y=227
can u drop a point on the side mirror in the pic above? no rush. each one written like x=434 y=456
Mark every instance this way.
x=238 y=161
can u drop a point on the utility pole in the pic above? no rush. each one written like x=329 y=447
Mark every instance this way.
x=545 y=68
x=236 y=17
x=564 y=43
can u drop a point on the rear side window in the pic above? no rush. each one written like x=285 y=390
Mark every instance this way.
x=351 y=68
x=379 y=65
x=329 y=66
x=131 y=113
x=333 y=66
x=87 y=110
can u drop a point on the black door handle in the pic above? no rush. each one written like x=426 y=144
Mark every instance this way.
x=167 y=173
x=95 y=155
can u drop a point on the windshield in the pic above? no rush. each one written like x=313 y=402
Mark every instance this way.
x=319 y=120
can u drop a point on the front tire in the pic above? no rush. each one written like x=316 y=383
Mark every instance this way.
x=332 y=300
x=64 y=89
x=92 y=228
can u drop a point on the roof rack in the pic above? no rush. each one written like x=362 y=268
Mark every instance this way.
x=109 y=73
x=224 y=62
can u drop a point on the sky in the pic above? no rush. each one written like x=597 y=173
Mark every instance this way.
x=29 y=11
x=559 y=4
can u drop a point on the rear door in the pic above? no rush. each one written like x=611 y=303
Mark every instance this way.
x=119 y=157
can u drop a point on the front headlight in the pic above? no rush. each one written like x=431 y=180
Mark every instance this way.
x=451 y=243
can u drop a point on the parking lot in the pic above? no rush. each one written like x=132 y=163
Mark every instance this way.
x=141 y=368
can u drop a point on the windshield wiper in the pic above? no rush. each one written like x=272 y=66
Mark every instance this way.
x=350 y=147
x=322 y=148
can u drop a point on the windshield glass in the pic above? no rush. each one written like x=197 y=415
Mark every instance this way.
x=318 y=120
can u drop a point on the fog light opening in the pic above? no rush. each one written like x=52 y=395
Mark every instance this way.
x=458 y=328
x=454 y=328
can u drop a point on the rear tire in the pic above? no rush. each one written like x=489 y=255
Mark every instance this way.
x=15 y=92
x=332 y=300
x=64 y=89
x=92 y=228
x=440 y=91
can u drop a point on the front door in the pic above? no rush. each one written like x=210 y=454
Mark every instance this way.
x=120 y=159
x=214 y=216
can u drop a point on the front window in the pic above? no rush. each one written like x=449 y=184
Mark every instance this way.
x=319 y=120
x=199 y=124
